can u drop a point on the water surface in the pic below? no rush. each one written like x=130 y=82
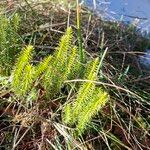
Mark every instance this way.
x=136 y=12
x=131 y=11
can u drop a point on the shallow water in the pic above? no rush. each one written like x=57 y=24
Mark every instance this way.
x=132 y=11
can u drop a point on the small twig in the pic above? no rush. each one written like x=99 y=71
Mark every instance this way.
x=106 y=84
x=141 y=79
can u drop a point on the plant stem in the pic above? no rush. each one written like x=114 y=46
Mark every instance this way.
x=82 y=58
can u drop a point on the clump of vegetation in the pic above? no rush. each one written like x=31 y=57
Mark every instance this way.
x=88 y=102
x=62 y=65
x=57 y=98
x=51 y=75
x=9 y=42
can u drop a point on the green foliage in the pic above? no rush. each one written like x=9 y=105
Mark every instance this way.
x=61 y=66
x=9 y=41
x=86 y=90
x=52 y=71
x=23 y=72
x=96 y=102
x=89 y=100
x=42 y=67
x=51 y=74
x=67 y=116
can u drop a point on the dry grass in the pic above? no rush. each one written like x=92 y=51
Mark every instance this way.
x=123 y=124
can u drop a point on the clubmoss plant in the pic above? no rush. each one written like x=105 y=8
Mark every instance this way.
x=62 y=65
x=50 y=73
x=23 y=72
x=88 y=101
x=9 y=42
